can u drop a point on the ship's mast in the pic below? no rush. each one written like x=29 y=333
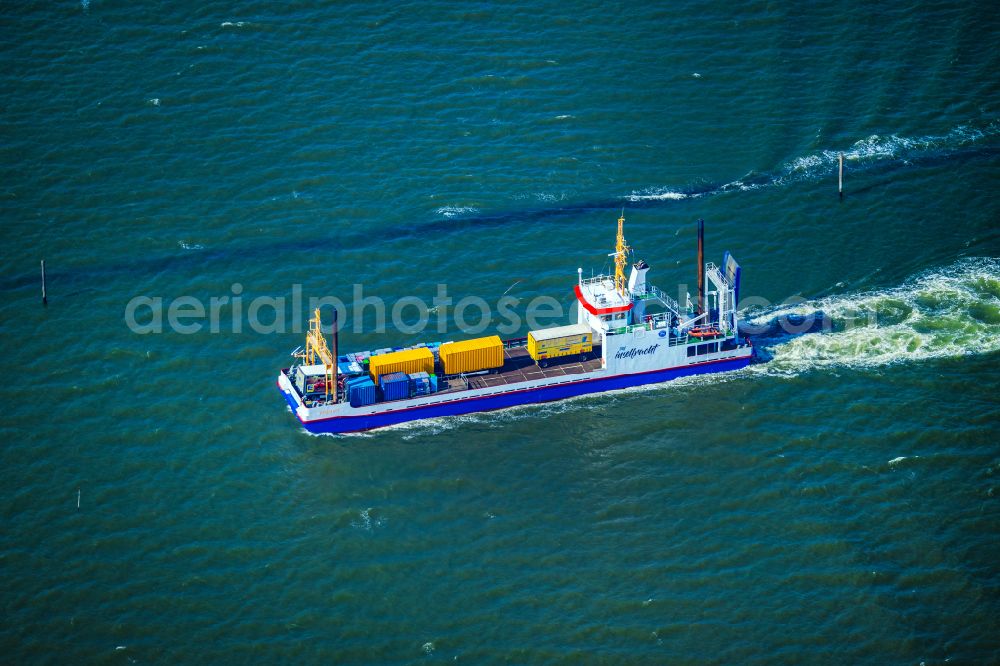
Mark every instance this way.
x=621 y=252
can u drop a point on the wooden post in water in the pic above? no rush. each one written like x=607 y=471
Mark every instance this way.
x=840 y=177
x=45 y=300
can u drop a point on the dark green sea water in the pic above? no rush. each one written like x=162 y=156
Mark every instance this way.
x=837 y=504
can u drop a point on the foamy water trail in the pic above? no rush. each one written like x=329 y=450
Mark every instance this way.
x=879 y=148
x=865 y=153
x=655 y=194
x=940 y=313
x=456 y=211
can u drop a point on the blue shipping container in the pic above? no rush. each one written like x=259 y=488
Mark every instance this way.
x=352 y=381
x=420 y=383
x=395 y=386
x=391 y=377
x=362 y=393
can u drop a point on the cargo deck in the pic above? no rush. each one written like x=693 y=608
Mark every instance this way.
x=518 y=367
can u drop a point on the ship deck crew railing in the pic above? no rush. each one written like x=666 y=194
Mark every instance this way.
x=676 y=335
x=655 y=293
x=603 y=280
x=717 y=274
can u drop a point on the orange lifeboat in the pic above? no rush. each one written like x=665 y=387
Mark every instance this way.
x=704 y=332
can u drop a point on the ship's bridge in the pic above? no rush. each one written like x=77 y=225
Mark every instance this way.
x=608 y=310
x=610 y=303
x=599 y=297
x=602 y=306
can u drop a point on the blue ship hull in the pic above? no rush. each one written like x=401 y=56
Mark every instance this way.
x=345 y=424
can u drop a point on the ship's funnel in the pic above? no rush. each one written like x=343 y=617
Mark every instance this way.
x=701 y=266
x=637 y=278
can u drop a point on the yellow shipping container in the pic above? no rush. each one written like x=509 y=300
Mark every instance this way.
x=408 y=361
x=472 y=355
x=561 y=341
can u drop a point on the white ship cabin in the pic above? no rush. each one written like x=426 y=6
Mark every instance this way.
x=612 y=305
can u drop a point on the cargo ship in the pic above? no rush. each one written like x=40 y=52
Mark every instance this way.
x=628 y=333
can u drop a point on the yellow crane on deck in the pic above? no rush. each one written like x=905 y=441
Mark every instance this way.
x=316 y=349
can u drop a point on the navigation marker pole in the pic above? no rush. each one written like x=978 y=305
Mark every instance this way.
x=840 y=176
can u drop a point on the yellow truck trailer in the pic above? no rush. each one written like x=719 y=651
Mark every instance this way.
x=549 y=343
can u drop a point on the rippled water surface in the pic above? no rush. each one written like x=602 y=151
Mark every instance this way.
x=834 y=504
